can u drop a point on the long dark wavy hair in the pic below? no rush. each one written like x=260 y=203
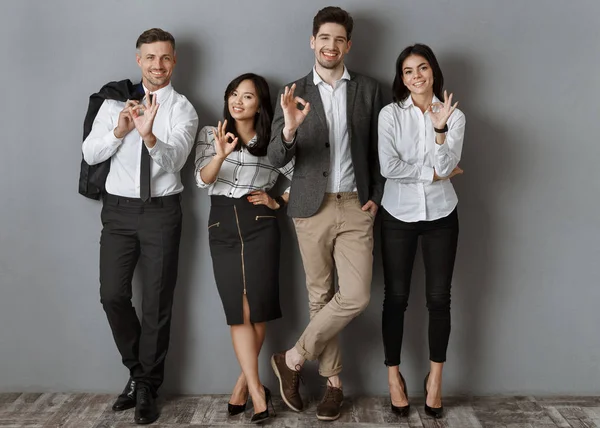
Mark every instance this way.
x=262 y=120
x=401 y=92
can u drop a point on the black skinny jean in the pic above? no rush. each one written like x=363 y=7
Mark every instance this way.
x=399 y=245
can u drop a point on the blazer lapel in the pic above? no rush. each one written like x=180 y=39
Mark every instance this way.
x=351 y=86
x=314 y=98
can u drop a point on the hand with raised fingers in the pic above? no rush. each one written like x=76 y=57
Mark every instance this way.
x=143 y=116
x=440 y=112
x=292 y=115
x=125 y=122
x=223 y=146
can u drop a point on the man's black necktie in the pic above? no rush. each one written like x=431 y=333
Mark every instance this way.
x=145 y=174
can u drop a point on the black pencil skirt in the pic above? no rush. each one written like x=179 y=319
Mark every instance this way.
x=244 y=242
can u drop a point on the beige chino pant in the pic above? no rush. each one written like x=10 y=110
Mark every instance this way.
x=339 y=236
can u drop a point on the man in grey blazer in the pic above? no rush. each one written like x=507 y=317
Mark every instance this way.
x=328 y=121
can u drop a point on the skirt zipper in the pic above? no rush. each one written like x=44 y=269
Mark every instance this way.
x=237 y=220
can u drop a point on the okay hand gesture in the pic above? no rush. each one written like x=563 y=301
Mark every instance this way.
x=440 y=112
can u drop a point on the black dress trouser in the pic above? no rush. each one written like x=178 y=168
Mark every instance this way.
x=439 y=239
x=147 y=233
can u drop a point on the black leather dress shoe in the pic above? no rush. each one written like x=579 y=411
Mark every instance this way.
x=146 y=411
x=127 y=398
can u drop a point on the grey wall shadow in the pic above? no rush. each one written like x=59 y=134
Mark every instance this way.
x=179 y=361
x=489 y=152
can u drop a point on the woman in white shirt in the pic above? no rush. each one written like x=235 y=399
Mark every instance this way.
x=244 y=236
x=420 y=144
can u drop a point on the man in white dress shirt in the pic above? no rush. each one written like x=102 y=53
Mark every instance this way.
x=147 y=142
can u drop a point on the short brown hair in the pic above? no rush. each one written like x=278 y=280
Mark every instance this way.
x=155 y=35
x=335 y=15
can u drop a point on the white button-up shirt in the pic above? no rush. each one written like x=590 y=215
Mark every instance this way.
x=408 y=155
x=341 y=171
x=175 y=127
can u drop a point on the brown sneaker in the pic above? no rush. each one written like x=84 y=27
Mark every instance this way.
x=288 y=382
x=329 y=407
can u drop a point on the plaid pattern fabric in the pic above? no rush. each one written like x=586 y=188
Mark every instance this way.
x=241 y=173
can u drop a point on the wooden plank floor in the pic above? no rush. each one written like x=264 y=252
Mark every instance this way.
x=51 y=410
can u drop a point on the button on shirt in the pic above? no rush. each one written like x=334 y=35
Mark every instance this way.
x=175 y=127
x=341 y=172
x=241 y=172
x=408 y=155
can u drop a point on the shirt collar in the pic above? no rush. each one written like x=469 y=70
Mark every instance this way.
x=253 y=141
x=408 y=102
x=162 y=93
x=317 y=79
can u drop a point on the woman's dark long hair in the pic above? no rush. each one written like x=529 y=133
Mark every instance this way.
x=262 y=120
x=401 y=92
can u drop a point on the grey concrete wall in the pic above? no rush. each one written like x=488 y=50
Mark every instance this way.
x=526 y=289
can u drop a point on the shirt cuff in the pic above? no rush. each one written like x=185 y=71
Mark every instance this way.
x=442 y=149
x=427 y=174
x=199 y=182
x=157 y=148
x=288 y=144
x=111 y=140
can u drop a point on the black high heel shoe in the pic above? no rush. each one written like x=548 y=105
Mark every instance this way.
x=401 y=410
x=434 y=412
x=257 y=418
x=236 y=409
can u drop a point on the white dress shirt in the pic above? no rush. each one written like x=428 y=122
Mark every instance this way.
x=175 y=127
x=341 y=175
x=241 y=172
x=408 y=155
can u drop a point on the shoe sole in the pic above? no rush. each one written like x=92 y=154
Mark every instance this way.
x=122 y=409
x=276 y=370
x=328 y=418
x=146 y=422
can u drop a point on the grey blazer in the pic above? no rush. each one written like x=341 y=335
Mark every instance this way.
x=311 y=146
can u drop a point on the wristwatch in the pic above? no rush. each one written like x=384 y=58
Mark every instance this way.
x=441 y=131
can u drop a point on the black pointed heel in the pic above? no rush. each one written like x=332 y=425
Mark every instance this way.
x=258 y=418
x=401 y=410
x=434 y=412
x=236 y=409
